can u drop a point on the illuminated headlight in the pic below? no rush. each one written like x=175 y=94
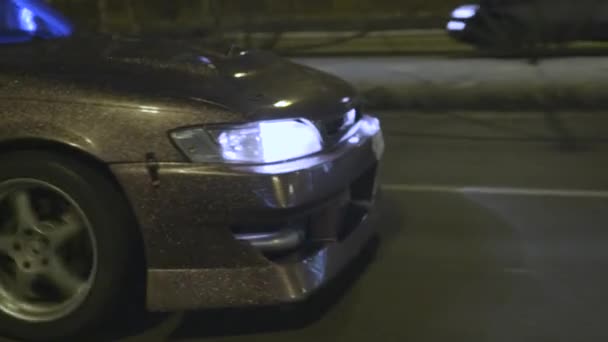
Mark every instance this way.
x=454 y=25
x=465 y=12
x=255 y=143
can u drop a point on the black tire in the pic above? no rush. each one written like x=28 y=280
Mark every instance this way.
x=113 y=226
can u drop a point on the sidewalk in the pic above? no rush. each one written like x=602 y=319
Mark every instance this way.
x=437 y=83
x=351 y=43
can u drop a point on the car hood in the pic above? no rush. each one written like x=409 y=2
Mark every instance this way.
x=255 y=84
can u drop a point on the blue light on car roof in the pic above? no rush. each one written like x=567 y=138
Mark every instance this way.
x=26 y=20
x=37 y=17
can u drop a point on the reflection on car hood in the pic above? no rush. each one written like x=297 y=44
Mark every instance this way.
x=257 y=84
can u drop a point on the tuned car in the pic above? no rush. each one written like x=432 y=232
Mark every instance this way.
x=519 y=23
x=185 y=177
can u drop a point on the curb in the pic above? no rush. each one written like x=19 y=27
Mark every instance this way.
x=473 y=83
x=494 y=98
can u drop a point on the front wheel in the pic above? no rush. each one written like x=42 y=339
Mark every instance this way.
x=65 y=247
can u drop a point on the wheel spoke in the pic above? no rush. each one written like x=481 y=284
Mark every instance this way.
x=23 y=210
x=66 y=230
x=64 y=280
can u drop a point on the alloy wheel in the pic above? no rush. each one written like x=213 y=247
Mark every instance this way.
x=48 y=256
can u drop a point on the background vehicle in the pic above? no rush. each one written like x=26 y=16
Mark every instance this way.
x=517 y=23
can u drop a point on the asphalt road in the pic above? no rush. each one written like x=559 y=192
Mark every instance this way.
x=494 y=228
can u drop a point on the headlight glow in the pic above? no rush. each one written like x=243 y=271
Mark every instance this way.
x=465 y=12
x=255 y=143
x=455 y=25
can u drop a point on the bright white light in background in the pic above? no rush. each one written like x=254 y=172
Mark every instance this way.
x=205 y=60
x=283 y=104
x=465 y=12
x=240 y=74
x=27 y=21
x=149 y=109
x=456 y=25
x=345 y=99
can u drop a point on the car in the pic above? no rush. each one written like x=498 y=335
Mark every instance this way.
x=521 y=23
x=166 y=173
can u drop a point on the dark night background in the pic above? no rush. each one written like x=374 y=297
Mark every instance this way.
x=319 y=14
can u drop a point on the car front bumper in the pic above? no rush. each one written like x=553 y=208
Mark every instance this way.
x=194 y=219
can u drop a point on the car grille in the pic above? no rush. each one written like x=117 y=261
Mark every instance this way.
x=333 y=129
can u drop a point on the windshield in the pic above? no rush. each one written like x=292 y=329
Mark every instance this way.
x=24 y=20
